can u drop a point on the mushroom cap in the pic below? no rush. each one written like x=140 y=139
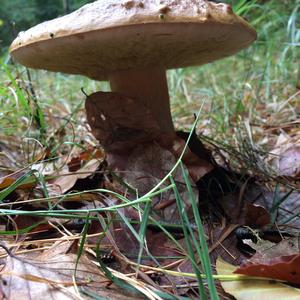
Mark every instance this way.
x=111 y=35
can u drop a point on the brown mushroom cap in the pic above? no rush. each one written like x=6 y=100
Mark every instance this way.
x=112 y=35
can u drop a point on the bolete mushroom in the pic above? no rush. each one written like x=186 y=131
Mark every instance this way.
x=131 y=43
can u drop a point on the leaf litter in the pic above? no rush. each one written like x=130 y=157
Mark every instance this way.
x=74 y=170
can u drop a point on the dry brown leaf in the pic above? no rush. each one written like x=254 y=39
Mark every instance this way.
x=143 y=168
x=285 y=268
x=139 y=152
x=268 y=250
x=78 y=161
x=50 y=276
x=289 y=162
x=197 y=167
x=277 y=261
x=66 y=181
x=243 y=212
x=256 y=216
x=119 y=128
x=253 y=289
x=285 y=156
x=8 y=180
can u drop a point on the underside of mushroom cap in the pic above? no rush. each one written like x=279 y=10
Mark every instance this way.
x=108 y=35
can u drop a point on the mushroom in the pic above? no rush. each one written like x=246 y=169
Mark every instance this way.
x=131 y=44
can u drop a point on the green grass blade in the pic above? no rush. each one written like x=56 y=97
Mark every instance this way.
x=119 y=282
x=21 y=96
x=82 y=241
x=142 y=231
x=205 y=259
x=26 y=178
x=187 y=235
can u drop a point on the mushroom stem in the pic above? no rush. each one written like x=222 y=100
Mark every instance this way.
x=150 y=87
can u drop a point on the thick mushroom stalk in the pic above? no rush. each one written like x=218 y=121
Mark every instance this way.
x=134 y=113
x=150 y=88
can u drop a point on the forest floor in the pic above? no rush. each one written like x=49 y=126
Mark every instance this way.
x=62 y=209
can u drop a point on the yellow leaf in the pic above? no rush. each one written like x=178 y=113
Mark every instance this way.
x=254 y=289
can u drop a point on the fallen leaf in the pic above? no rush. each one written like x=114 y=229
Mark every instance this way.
x=285 y=268
x=244 y=213
x=51 y=276
x=266 y=250
x=139 y=152
x=256 y=216
x=78 y=161
x=119 y=128
x=196 y=165
x=66 y=181
x=289 y=162
x=8 y=180
x=253 y=289
x=285 y=156
x=143 y=168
